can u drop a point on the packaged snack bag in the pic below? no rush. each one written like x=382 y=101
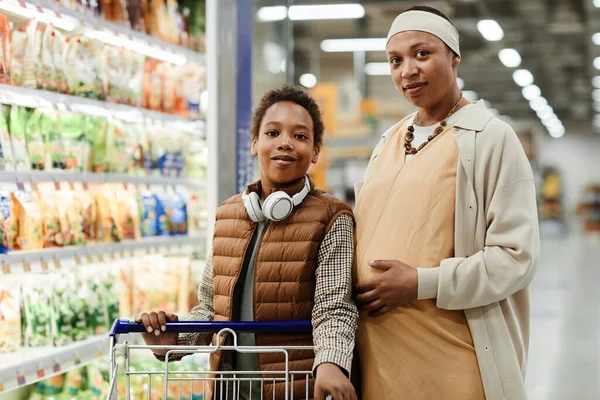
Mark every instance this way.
x=149 y=218
x=37 y=311
x=134 y=136
x=48 y=72
x=117 y=145
x=28 y=220
x=17 y=125
x=31 y=57
x=73 y=214
x=82 y=71
x=10 y=316
x=59 y=50
x=97 y=131
x=19 y=43
x=155 y=286
x=48 y=201
x=6 y=43
x=162 y=217
x=178 y=215
x=62 y=314
x=53 y=141
x=153 y=85
x=108 y=228
x=5 y=223
x=89 y=214
x=76 y=146
x=127 y=215
x=136 y=80
x=7 y=159
x=35 y=141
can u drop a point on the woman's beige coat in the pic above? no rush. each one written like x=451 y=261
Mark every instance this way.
x=496 y=249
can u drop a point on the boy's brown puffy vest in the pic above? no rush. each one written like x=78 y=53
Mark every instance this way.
x=284 y=276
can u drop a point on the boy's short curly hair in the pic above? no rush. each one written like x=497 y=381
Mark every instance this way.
x=296 y=95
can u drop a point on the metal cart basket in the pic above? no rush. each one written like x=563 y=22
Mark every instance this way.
x=194 y=385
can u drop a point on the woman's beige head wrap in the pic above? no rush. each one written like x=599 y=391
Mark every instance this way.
x=426 y=22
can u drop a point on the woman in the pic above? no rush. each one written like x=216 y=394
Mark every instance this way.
x=447 y=235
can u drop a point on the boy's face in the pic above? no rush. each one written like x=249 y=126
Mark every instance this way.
x=285 y=144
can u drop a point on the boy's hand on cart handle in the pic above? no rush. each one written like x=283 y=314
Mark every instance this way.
x=156 y=325
x=332 y=381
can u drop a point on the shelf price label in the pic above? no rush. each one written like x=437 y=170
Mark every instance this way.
x=21 y=381
x=6 y=269
x=40 y=373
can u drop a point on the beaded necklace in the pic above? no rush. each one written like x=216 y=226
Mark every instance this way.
x=409 y=149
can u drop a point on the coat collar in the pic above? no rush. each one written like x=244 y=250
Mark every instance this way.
x=475 y=118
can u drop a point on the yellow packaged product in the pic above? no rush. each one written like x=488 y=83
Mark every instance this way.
x=74 y=218
x=29 y=222
x=53 y=235
x=106 y=222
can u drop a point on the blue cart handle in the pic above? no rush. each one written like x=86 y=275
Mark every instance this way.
x=123 y=326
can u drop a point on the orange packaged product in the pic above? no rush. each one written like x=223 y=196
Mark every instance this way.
x=6 y=42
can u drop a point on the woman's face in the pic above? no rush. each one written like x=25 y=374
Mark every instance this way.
x=285 y=145
x=423 y=67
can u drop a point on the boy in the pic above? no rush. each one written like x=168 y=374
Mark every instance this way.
x=283 y=250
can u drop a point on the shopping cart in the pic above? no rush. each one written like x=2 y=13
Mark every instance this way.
x=194 y=385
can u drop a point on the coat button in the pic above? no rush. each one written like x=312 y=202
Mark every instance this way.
x=487 y=348
x=468 y=159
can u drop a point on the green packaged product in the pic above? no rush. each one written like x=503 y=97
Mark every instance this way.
x=53 y=144
x=7 y=160
x=17 y=126
x=62 y=314
x=37 y=310
x=75 y=142
x=35 y=141
x=117 y=145
x=96 y=132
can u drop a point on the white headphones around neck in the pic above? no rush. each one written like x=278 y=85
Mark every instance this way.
x=276 y=207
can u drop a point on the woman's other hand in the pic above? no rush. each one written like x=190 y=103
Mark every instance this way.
x=396 y=286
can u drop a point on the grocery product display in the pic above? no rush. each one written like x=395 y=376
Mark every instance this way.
x=47 y=139
x=103 y=163
x=92 y=382
x=179 y=22
x=44 y=58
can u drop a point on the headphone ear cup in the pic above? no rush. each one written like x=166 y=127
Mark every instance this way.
x=278 y=206
x=252 y=204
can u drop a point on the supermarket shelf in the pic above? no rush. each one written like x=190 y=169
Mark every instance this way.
x=101 y=24
x=41 y=98
x=22 y=177
x=55 y=259
x=30 y=365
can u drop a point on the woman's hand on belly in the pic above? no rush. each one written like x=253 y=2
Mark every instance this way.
x=396 y=286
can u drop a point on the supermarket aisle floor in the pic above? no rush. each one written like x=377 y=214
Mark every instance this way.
x=564 y=352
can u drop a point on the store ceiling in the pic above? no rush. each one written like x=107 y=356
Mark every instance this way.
x=553 y=38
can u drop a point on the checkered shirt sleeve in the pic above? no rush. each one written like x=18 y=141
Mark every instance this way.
x=335 y=314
